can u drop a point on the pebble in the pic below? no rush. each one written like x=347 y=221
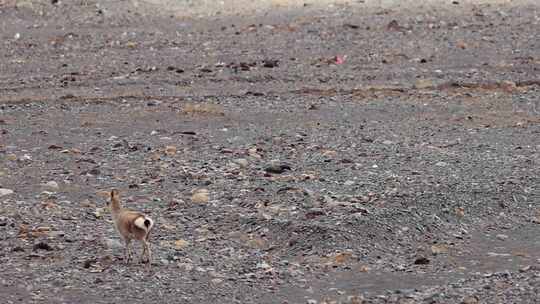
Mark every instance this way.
x=170 y=150
x=52 y=185
x=423 y=84
x=242 y=162
x=180 y=244
x=439 y=249
x=113 y=244
x=277 y=168
x=185 y=266
x=200 y=196
x=11 y=157
x=42 y=246
x=470 y=300
x=4 y=192
x=502 y=236
x=263 y=265
x=495 y=254
x=421 y=261
x=55 y=234
x=329 y=153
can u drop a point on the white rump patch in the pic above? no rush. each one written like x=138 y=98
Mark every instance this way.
x=139 y=222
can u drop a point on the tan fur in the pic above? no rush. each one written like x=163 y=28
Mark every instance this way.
x=124 y=221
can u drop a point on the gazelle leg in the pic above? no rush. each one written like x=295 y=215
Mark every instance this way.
x=146 y=243
x=146 y=254
x=127 y=255
x=143 y=251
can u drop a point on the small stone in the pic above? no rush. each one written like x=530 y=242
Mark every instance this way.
x=18 y=249
x=314 y=212
x=421 y=261
x=364 y=268
x=55 y=234
x=270 y=63
x=185 y=266
x=508 y=86
x=525 y=269
x=11 y=157
x=439 y=249
x=42 y=246
x=242 y=162
x=342 y=257
x=387 y=142
x=354 y=300
x=42 y=229
x=470 y=300
x=263 y=265
x=180 y=244
x=88 y=263
x=98 y=213
x=441 y=164
x=461 y=44
x=329 y=153
x=460 y=211
x=4 y=192
x=170 y=150
x=423 y=84
x=52 y=185
x=113 y=244
x=502 y=236
x=277 y=168
x=495 y=254
x=26 y=157
x=94 y=172
x=311 y=301
x=200 y=196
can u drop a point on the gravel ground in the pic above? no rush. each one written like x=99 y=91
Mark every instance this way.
x=316 y=154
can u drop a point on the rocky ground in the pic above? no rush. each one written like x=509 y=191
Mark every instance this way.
x=321 y=154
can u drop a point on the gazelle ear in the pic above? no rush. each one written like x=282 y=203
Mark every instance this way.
x=115 y=194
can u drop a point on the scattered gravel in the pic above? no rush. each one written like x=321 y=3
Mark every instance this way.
x=336 y=154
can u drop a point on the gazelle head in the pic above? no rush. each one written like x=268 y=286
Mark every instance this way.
x=114 y=202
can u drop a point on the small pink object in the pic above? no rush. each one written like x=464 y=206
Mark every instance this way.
x=339 y=59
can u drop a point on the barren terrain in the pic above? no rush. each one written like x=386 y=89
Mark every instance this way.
x=351 y=153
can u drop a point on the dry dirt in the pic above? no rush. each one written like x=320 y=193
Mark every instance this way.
x=352 y=153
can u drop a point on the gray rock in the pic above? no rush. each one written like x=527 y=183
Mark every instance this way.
x=113 y=243
x=277 y=168
x=242 y=162
x=502 y=236
x=4 y=192
x=51 y=185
